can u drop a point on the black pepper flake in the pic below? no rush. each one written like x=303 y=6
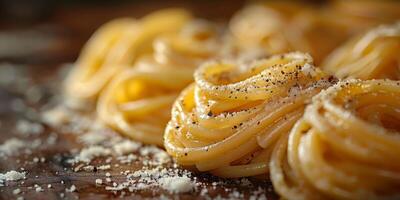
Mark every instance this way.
x=331 y=78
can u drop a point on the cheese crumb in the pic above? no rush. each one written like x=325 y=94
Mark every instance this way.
x=11 y=146
x=126 y=147
x=27 y=127
x=309 y=70
x=176 y=184
x=93 y=138
x=16 y=191
x=56 y=117
x=38 y=188
x=71 y=189
x=11 y=176
x=87 y=154
x=99 y=181
x=104 y=167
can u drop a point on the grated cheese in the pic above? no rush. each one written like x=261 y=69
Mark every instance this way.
x=57 y=116
x=11 y=146
x=87 y=154
x=176 y=184
x=16 y=191
x=26 y=127
x=11 y=176
x=71 y=189
x=98 y=181
x=126 y=146
x=93 y=138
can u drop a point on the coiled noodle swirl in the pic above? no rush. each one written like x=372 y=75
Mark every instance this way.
x=114 y=47
x=228 y=121
x=373 y=55
x=138 y=102
x=346 y=146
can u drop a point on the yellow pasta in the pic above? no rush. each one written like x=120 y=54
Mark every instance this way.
x=276 y=29
x=375 y=11
x=317 y=32
x=373 y=55
x=346 y=146
x=266 y=27
x=115 y=46
x=229 y=120
x=138 y=101
x=246 y=115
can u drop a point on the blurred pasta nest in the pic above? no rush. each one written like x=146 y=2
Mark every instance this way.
x=114 y=47
x=138 y=101
x=374 y=54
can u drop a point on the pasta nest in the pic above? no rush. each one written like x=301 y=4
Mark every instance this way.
x=229 y=120
x=276 y=30
x=346 y=146
x=115 y=46
x=138 y=101
x=373 y=55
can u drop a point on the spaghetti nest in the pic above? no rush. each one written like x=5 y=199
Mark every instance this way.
x=138 y=101
x=279 y=29
x=266 y=33
x=229 y=120
x=346 y=146
x=373 y=55
x=114 y=47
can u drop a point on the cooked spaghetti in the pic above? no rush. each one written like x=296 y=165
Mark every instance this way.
x=346 y=146
x=266 y=27
x=229 y=120
x=115 y=46
x=276 y=30
x=373 y=55
x=318 y=33
x=386 y=11
x=138 y=102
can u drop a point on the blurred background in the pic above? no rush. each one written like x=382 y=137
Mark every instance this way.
x=49 y=32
